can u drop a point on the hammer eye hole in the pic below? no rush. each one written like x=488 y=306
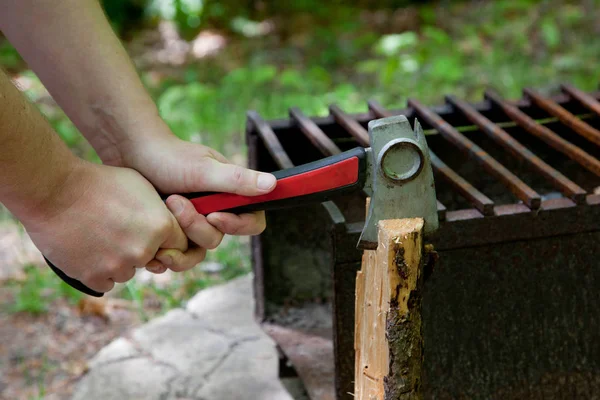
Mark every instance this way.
x=401 y=160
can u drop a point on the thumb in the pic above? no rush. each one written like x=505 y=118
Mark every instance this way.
x=230 y=178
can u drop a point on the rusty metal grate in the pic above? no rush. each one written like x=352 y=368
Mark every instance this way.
x=495 y=117
x=506 y=172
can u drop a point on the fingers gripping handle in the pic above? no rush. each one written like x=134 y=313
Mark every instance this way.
x=309 y=183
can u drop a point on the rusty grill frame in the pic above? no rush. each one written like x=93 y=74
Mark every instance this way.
x=530 y=216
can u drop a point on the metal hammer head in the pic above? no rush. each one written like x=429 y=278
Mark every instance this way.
x=400 y=179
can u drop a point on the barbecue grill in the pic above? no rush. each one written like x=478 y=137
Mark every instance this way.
x=511 y=309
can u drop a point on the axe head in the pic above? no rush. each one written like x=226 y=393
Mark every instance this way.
x=399 y=177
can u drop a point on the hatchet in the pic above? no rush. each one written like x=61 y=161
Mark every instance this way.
x=395 y=172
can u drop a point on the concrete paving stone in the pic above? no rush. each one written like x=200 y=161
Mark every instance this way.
x=118 y=349
x=133 y=379
x=249 y=372
x=213 y=351
x=229 y=307
x=182 y=341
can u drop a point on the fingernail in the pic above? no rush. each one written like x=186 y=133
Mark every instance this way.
x=176 y=206
x=265 y=181
x=155 y=269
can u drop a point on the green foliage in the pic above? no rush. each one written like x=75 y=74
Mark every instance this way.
x=31 y=296
x=233 y=256
x=550 y=33
x=36 y=293
x=124 y=15
x=210 y=113
x=136 y=293
x=459 y=49
x=9 y=58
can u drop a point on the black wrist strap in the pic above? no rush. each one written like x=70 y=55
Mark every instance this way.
x=74 y=283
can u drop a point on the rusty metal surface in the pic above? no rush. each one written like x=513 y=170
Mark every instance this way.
x=570 y=120
x=312 y=357
x=530 y=125
x=483 y=206
x=511 y=222
x=378 y=110
x=445 y=111
x=270 y=139
x=354 y=128
x=344 y=278
x=512 y=182
x=511 y=228
x=458 y=183
x=515 y=320
x=564 y=184
x=587 y=100
x=314 y=133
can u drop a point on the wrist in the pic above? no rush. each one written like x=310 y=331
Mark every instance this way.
x=62 y=184
x=119 y=136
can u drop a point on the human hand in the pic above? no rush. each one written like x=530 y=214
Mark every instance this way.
x=176 y=166
x=105 y=222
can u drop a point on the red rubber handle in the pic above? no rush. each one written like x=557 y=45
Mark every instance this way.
x=314 y=182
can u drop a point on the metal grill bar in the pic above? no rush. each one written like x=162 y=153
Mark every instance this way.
x=500 y=136
x=441 y=210
x=458 y=183
x=354 y=128
x=317 y=137
x=552 y=139
x=478 y=199
x=526 y=194
x=270 y=140
x=582 y=97
x=580 y=127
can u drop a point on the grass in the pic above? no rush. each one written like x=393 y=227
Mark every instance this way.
x=39 y=289
x=450 y=47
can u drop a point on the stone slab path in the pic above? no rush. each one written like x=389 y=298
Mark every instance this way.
x=211 y=350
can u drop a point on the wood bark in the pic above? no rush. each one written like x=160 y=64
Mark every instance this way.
x=388 y=334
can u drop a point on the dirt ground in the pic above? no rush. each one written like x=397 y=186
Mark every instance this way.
x=42 y=356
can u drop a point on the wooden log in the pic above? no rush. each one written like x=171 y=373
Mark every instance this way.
x=388 y=337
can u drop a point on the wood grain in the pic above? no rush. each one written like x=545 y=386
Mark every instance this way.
x=388 y=335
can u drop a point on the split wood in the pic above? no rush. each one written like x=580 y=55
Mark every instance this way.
x=388 y=339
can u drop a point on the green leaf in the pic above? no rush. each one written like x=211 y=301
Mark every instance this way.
x=264 y=74
x=447 y=68
x=389 y=70
x=436 y=35
x=550 y=33
x=291 y=78
x=369 y=66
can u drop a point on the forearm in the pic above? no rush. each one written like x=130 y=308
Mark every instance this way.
x=72 y=48
x=34 y=163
